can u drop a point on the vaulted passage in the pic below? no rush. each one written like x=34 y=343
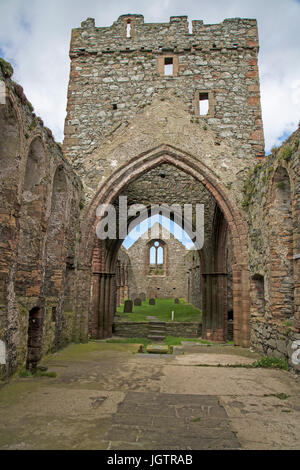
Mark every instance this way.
x=213 y=285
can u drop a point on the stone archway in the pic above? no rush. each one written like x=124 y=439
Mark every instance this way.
x=107 y=253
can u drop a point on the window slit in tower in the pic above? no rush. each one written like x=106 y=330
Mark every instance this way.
x=203 y=104
x=128 y=29
x=168 y=66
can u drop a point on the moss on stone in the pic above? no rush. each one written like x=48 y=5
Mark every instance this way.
x=30 y=106
x=286 y=153
x=32 y=125
x=6 y=68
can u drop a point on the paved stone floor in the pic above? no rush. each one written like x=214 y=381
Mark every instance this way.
x=106 y=396
x=171 y=421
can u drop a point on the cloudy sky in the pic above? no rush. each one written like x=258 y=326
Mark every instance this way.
x=35 y=37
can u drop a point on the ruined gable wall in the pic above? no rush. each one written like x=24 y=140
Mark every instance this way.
x=168 y=285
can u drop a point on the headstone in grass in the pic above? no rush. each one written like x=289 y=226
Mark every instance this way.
x=157 y=349
x=176 y=301
x=137 y=302
x=128 y=306
x=151 y=301
x=142 y=296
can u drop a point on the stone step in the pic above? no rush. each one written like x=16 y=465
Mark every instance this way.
x=156 y=337
x=161 y=325
x=158 y=323
x=157 y=332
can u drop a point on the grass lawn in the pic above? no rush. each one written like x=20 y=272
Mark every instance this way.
x=162 y=310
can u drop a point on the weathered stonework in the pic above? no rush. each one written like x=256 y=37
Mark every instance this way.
x=126 y=120
x=134 y=130
x=39 y=217
x=117 y=77
x=167 y=284
x=273 y=206
x=193 y=279
x=143 y=329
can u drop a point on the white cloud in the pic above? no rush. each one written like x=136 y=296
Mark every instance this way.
x=35 y=37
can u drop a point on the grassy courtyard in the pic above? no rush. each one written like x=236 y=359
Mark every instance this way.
x=162 y=311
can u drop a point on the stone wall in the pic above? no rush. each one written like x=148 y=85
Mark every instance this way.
x=272 y=204
x=127 y=118
x=39 y=216
x=143 y=329
x=133 y=130
x=116 y=77
x=193 y=279
x=276 y=339
x=122 y=276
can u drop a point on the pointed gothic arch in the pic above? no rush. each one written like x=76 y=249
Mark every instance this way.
x=110 y=190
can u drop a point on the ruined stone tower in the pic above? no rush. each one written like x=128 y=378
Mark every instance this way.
x=117 y=71
x=159 y=93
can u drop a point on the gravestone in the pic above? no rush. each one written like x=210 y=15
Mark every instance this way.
x=176 y=301
x=2 y=353
x=157 y=349
x=137 y=302
x=151 y=301
x=128 y=306
x=142 y=296
x=133 y=296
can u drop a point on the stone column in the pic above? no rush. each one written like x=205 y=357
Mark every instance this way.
x=107 y=305
x=111 y=304
x=94 y=326
x=101 y=308
x=297 y=293
x=241 y=305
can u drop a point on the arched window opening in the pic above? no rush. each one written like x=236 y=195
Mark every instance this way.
x=156 y=258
